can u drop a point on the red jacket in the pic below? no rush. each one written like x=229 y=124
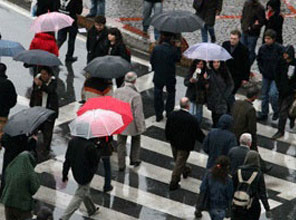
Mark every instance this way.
x=44 y=41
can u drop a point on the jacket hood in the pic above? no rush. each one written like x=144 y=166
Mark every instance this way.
x=225 y=122
x=275 y=5
x=289 y=49
x=44 y=36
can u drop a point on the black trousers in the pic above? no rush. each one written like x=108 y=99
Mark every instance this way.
x=284 y=105
x=47 y=131
x=62 y=37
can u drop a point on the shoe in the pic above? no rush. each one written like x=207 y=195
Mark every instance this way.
x=186 y=173
x=135 y=164
x=278 y=134
x=275 y=116
x=71 y=59
x=197 y=214
x=174 y=186
x=90 y=16
x=158 y=119
x=97 y=210
x=121 y=169
x=108 y=189
x=213 y=39
x=262 y=118
x=292 y=123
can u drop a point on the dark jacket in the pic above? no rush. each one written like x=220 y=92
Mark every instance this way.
x=258 y=190
x=219 y=140
x=71 y=8
x=252 y=11
x=83 y=158
x=163 y=60
x=275 y=22
x=208 y=9
x=8 y=96
x=45 y=6
x=119 y=50
x=238 y=66
x=96 y=43
x=182 y=130
x=237 y=157
x=268 y=59
x=44 y=41
x=244 y=116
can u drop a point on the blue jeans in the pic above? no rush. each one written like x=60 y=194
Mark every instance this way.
x=107 y=172
x=197 y=111
x=147 y=11
x=97 y=8
x=217 y=214
x=204 y=33
x=269 y=94
x=250 y=42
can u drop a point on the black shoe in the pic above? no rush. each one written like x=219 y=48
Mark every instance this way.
x=186 y=173
x=71 y=59
x=278 y=134
x=90 y=16
x=275 y=116
x=174 y=186
x=197 y=214
x=135 y=164
x=95 y=212
x=108 y=189
x=262 y=117
x=158 y=119
x=213 y=39
x=122 y=169
x=292 y=123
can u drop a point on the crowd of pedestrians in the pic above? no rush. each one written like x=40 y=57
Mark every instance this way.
x=233 y=182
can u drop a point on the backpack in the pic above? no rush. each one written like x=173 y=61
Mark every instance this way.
x=242 y=198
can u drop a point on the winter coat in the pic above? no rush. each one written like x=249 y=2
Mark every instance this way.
x=22 y=182
x=219 y=140
x=163 y=60
x=238 y=66
x=252 y=11
x=237 y=157
x=244 y=116
x=82 y=157
x=44 y=41
x=275 y=22
x=119 y=50
x=96 y=43
x=45 y=6
x=268 y=59
x=48 y=89
x=71 y=8
x=219 y=92
x=129 y=94
x=208 y=10
x=8 y=96
x=182 y=130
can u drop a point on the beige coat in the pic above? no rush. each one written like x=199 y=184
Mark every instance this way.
x=129 y=94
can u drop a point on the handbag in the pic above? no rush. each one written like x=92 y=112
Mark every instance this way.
x=197 y=4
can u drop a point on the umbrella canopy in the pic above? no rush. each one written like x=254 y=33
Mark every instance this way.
x=96 y=123
x=10 y=48
x=177 y=21
x=207 y=52
x=38 y=57
x=51 y=21
x=27 y=120
x=108 y=67
x=112 y=104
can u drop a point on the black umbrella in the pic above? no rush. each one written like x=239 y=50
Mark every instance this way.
x=27 y=120
x=108 y=67
x=177 y=21
x=38 y=57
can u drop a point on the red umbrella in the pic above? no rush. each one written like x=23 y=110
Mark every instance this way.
x=112 y=104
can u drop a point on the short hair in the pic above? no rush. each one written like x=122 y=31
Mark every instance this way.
x=270 y=33
x=130 y=77
x=245 y=139
x=252 y=91
x=47 y=69
x=184 y=102
x=236 y=32
x=100 y=19
x=3 y=68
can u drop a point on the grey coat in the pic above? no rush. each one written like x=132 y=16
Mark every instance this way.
x=207 y=12
x=129 y=94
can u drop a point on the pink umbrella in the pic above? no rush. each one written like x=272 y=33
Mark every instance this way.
x=52 y=21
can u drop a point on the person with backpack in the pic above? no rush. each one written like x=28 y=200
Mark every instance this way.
x=249 y=187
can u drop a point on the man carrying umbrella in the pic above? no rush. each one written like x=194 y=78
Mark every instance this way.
x=8 y=97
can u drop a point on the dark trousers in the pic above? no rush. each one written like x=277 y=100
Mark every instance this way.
x=215 y=118
x=47 y=131
x=158 y=97
x=252 y=214
x=180 y=158
x=107 y=171
x=237 y=85
x=62 y=37
x=16 y=214
x=284 y=105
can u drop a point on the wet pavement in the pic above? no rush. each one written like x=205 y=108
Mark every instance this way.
x=139 y=193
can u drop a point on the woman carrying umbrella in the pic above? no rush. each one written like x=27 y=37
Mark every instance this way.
x=45 y=41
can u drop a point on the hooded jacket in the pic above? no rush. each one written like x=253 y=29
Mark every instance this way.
x=45 y=41
x=219 y=140
x=8 y=96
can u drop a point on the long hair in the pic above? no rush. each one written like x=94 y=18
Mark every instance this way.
x=118 y=36
x=221 y=168
x=194 y=63
x=223 y=71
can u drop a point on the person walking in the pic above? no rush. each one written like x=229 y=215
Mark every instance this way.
x=83 y=158
x=238 y=66
x=285 y=79
x=8 y=97
x=219 y=92
x=97 y=39
x=182 y=130
x=71 y=8
x=268 y=62
x=148 y=7
x=219 y=140
x=45 y=41
x=45 y=6
x=253 y=18
x=196 y=84
x=163 y=61
x=207 y=12
x=130 y=94
x=22 y=182
x=97 y=8
x=250 y=171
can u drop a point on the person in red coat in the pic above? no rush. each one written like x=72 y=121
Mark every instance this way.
x=45 y=41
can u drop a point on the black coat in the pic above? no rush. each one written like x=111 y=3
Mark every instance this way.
x=119 y=50
x=239 y=66
x=237 y=157
x=8 y=96
x=83 y=158
x=73 y=8
x=96 y=43
x=182 y=130
x=275 y=22
x=208 y=9
x=163 y=60
x=43 y=6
